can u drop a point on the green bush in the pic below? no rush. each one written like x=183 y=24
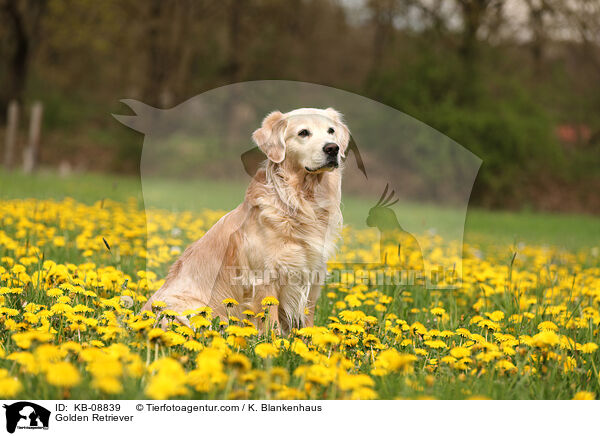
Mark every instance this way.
x=503 y=125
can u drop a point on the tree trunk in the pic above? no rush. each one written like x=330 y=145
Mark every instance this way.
x=233 y=68
x=30 y=158
x=18 y=60
x=155 y=74
x=473 y=14
x=536 y=24
x=12 y=129
x=383 y=19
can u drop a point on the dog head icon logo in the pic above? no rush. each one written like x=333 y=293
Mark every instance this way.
x=26 y=415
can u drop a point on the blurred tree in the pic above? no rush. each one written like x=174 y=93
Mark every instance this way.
x=169 y=46
x=383 y=15
x=496 y=76
x=538 y=12
x=475 y=16
x=22 y=20
x=583 y=17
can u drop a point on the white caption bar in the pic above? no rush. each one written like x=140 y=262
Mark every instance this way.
x=249 y=417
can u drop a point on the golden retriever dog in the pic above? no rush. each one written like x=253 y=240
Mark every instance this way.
x=277 y=242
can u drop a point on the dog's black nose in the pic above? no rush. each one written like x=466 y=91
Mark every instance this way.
x=331 y=149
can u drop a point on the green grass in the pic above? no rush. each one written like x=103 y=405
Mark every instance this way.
x=414 y=305
x=481 y=227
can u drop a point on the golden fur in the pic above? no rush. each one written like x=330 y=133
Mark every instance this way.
x=277 y=242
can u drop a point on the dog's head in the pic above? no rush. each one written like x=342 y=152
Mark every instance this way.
x=310 y=140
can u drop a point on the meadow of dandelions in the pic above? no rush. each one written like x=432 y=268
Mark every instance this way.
x=73 y=277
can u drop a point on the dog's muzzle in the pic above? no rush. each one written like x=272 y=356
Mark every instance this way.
x=331 y=164
x=331 y=150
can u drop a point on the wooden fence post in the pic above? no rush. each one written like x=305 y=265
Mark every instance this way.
x=30 y=158
x=12 y=127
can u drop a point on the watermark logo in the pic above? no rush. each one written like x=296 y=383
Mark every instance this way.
x=404 y=192
x=25 y=415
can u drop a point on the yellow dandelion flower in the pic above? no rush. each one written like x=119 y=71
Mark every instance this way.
x=584 y=395
x=239 y=361
x=266 y=350
x=269 y=301
x=170 y=313
x=199 y=322
x=588 y=348
x=547 y=325
x=438 y=311
x=63 y=374
x=505 y=365
x=495 y=316
x=108 y=385
x=325 y=340
x=155 y=333
x=9 y=387
x=436 y=344
x=392 y=360
x=546 y=338
x=193 y=345
x=229 y=302
x=157 y=304
x=54 y=292
x=163 y=386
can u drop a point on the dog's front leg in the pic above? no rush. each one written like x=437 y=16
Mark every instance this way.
x=313 y=296
x=273 y=319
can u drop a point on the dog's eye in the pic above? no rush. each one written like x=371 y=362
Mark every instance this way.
x=331 y=131
x=304 y=133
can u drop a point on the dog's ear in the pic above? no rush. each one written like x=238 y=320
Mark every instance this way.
x=344 y=132
x=270 y=138
x=334 y=115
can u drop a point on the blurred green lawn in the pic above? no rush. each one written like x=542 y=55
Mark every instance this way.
x=482 y=226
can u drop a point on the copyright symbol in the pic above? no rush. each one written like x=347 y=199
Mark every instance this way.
x=139 y=407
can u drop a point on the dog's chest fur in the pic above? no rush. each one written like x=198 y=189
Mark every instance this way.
x=296 y=232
